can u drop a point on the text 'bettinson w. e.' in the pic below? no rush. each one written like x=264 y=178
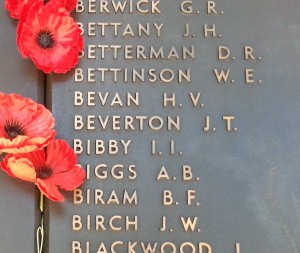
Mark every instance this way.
x=131 y=76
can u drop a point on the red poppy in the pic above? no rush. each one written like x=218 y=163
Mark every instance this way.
x=69 y=4
x=25 y=126
x=48 y=170
x=49 y=36
x=14 y=7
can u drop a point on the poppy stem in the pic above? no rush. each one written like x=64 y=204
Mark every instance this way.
x=42 y=202
x=40 y=230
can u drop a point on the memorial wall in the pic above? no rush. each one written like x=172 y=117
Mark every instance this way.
x=185 y=116
x=18 y=201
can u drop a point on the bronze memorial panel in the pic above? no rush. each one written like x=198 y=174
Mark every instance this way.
x=18 y=200
x=185 y=116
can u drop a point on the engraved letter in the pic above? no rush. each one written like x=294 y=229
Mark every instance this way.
x=76 y=248
x=77 y=146
x=190 y=196
x=188 y=223
x=221 y=75
x=167 y=198
x=163 y=174
x=77 y=196
x=130 y=223
x=204 y=247
x=207 y=30
x=189 y=244
x=76 y=222
x=211 y=7
x=92 y=6
x=149 y=248
x=187 y=173
x=228 y=120
x=79 y=6
x=78 y=123
x=249 y=76
x=163 y=225
x=170 y=99
x=249 y=53
x=78 y=75
x=78 y=99
x=186 y=7
x=113 y=246
x=224 y=52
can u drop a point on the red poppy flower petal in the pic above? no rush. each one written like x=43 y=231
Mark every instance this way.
x=53 y=20
x=21 y=168
x=14 y=106
x=67 y=30
x=2 y=131
x=24 y=144
x=6 y=144
x=33 y=123
x=46 y=61
x=70 y=179
x=41 y=61
x=49 y=190
x=28 y=26
x=41 y=124
x=6 y=168
x=37 y=158
x=13 y=146
x=71 y=4
x=60 y=157
x=51 y=15
x=27 y=11
x=26 y=42
x=14 y=7
x=24 y=111
x=63 y=59
x=31 y=10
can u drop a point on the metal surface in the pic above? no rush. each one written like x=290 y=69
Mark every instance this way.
x=18 y=199
x=248 y=191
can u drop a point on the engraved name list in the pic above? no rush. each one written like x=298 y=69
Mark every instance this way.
x=148 y=95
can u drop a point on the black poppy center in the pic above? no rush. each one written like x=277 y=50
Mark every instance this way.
x=14 y=128
x=46 y=1
x=45 y=39
x=44 y=172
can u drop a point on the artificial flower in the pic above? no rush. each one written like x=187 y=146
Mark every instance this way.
x=48 y=170
x=49 y=37
x=15 y=7
x=25 y=126
x=69 y=4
